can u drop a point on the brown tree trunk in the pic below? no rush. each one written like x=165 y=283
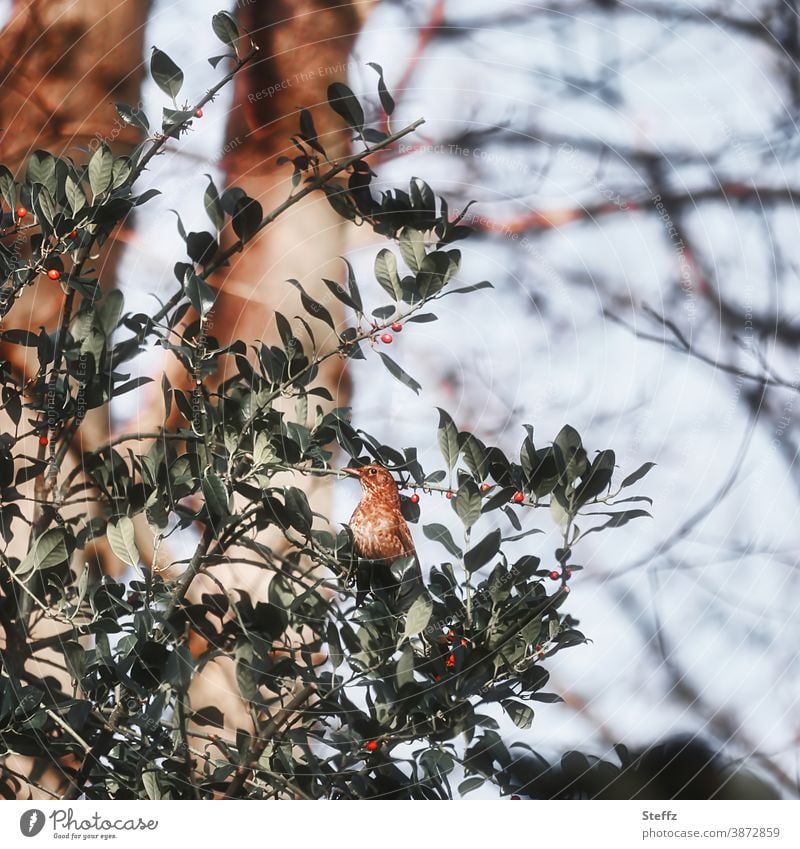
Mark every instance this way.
x=304 y=47
x=63 y=63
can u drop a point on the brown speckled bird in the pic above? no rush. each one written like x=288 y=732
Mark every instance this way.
x=380 y=533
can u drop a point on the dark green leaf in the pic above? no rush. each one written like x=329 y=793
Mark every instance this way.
x=314 y=308
x=213 y=204
x=520 y=713
x=441 y=534
x=483 y=552
x=101 y=167
x=447 y=436
x=398 y=373
x=48 y=550
x=166 y=74
x=387 y=102
x=386 y=273
x=345 y=103
x=412 y=248
x=638 y=474
x=133 y=116
x=467 y=503
x=201 y=295
x=246 y=218
x=226 y=30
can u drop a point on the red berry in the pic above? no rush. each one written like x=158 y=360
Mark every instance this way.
x=485 y=487
x=54 y=274
x=372 y=746
x=451 y=661
x=414 y=498
x=198 y=113
x=21 y=212
x=397 y=327
x=43 y=440
x=554 y=576
x=73 y=234
x=518 y=497
x=449 y=494
x=437 y=677
x=387 y=338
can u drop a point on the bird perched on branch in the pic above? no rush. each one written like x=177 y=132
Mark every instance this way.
x=381 y=534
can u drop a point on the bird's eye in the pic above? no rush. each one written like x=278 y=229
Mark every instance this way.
x=373 y=471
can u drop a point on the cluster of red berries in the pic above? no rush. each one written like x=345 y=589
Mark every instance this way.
x=387 y=338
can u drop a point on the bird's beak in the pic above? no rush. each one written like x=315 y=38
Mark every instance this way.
x=356 y=473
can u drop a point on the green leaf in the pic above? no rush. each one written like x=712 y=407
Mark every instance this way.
x=598 y=477
x=418 y=617
x=49 y=550
x=76 y=197
x=340 y=293
x=43 y=204
x=412 y=248
x=404 y=673
x=133 y=116
x=226 y=30
x=637 y=475
x=314 y=308
x=463 y=290
x=398 y=373
x=345 y=103
x=213 y=204
x=8 y=188
x=520 y=713
x=447 y=436
x=216 y=496
x=246 y=219
x=386 y=273
x=470 y=784
x=42 y=169
x=353 y=287
x=483 y=552
x=432 y=271
x=150 y=782
x=570 y=454
x=101 y=167
x=308 y=132
x=467 y=503
x=387 y=101
x=441 y=534
x=122 y=539
x=617 y=520
x=335 y=654
x=166 y=74
x=200 y=294
x=475 y=455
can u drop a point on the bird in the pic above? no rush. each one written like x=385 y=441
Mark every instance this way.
x=381 y=534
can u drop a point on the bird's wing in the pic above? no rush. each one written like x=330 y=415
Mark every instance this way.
x=405 y=538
